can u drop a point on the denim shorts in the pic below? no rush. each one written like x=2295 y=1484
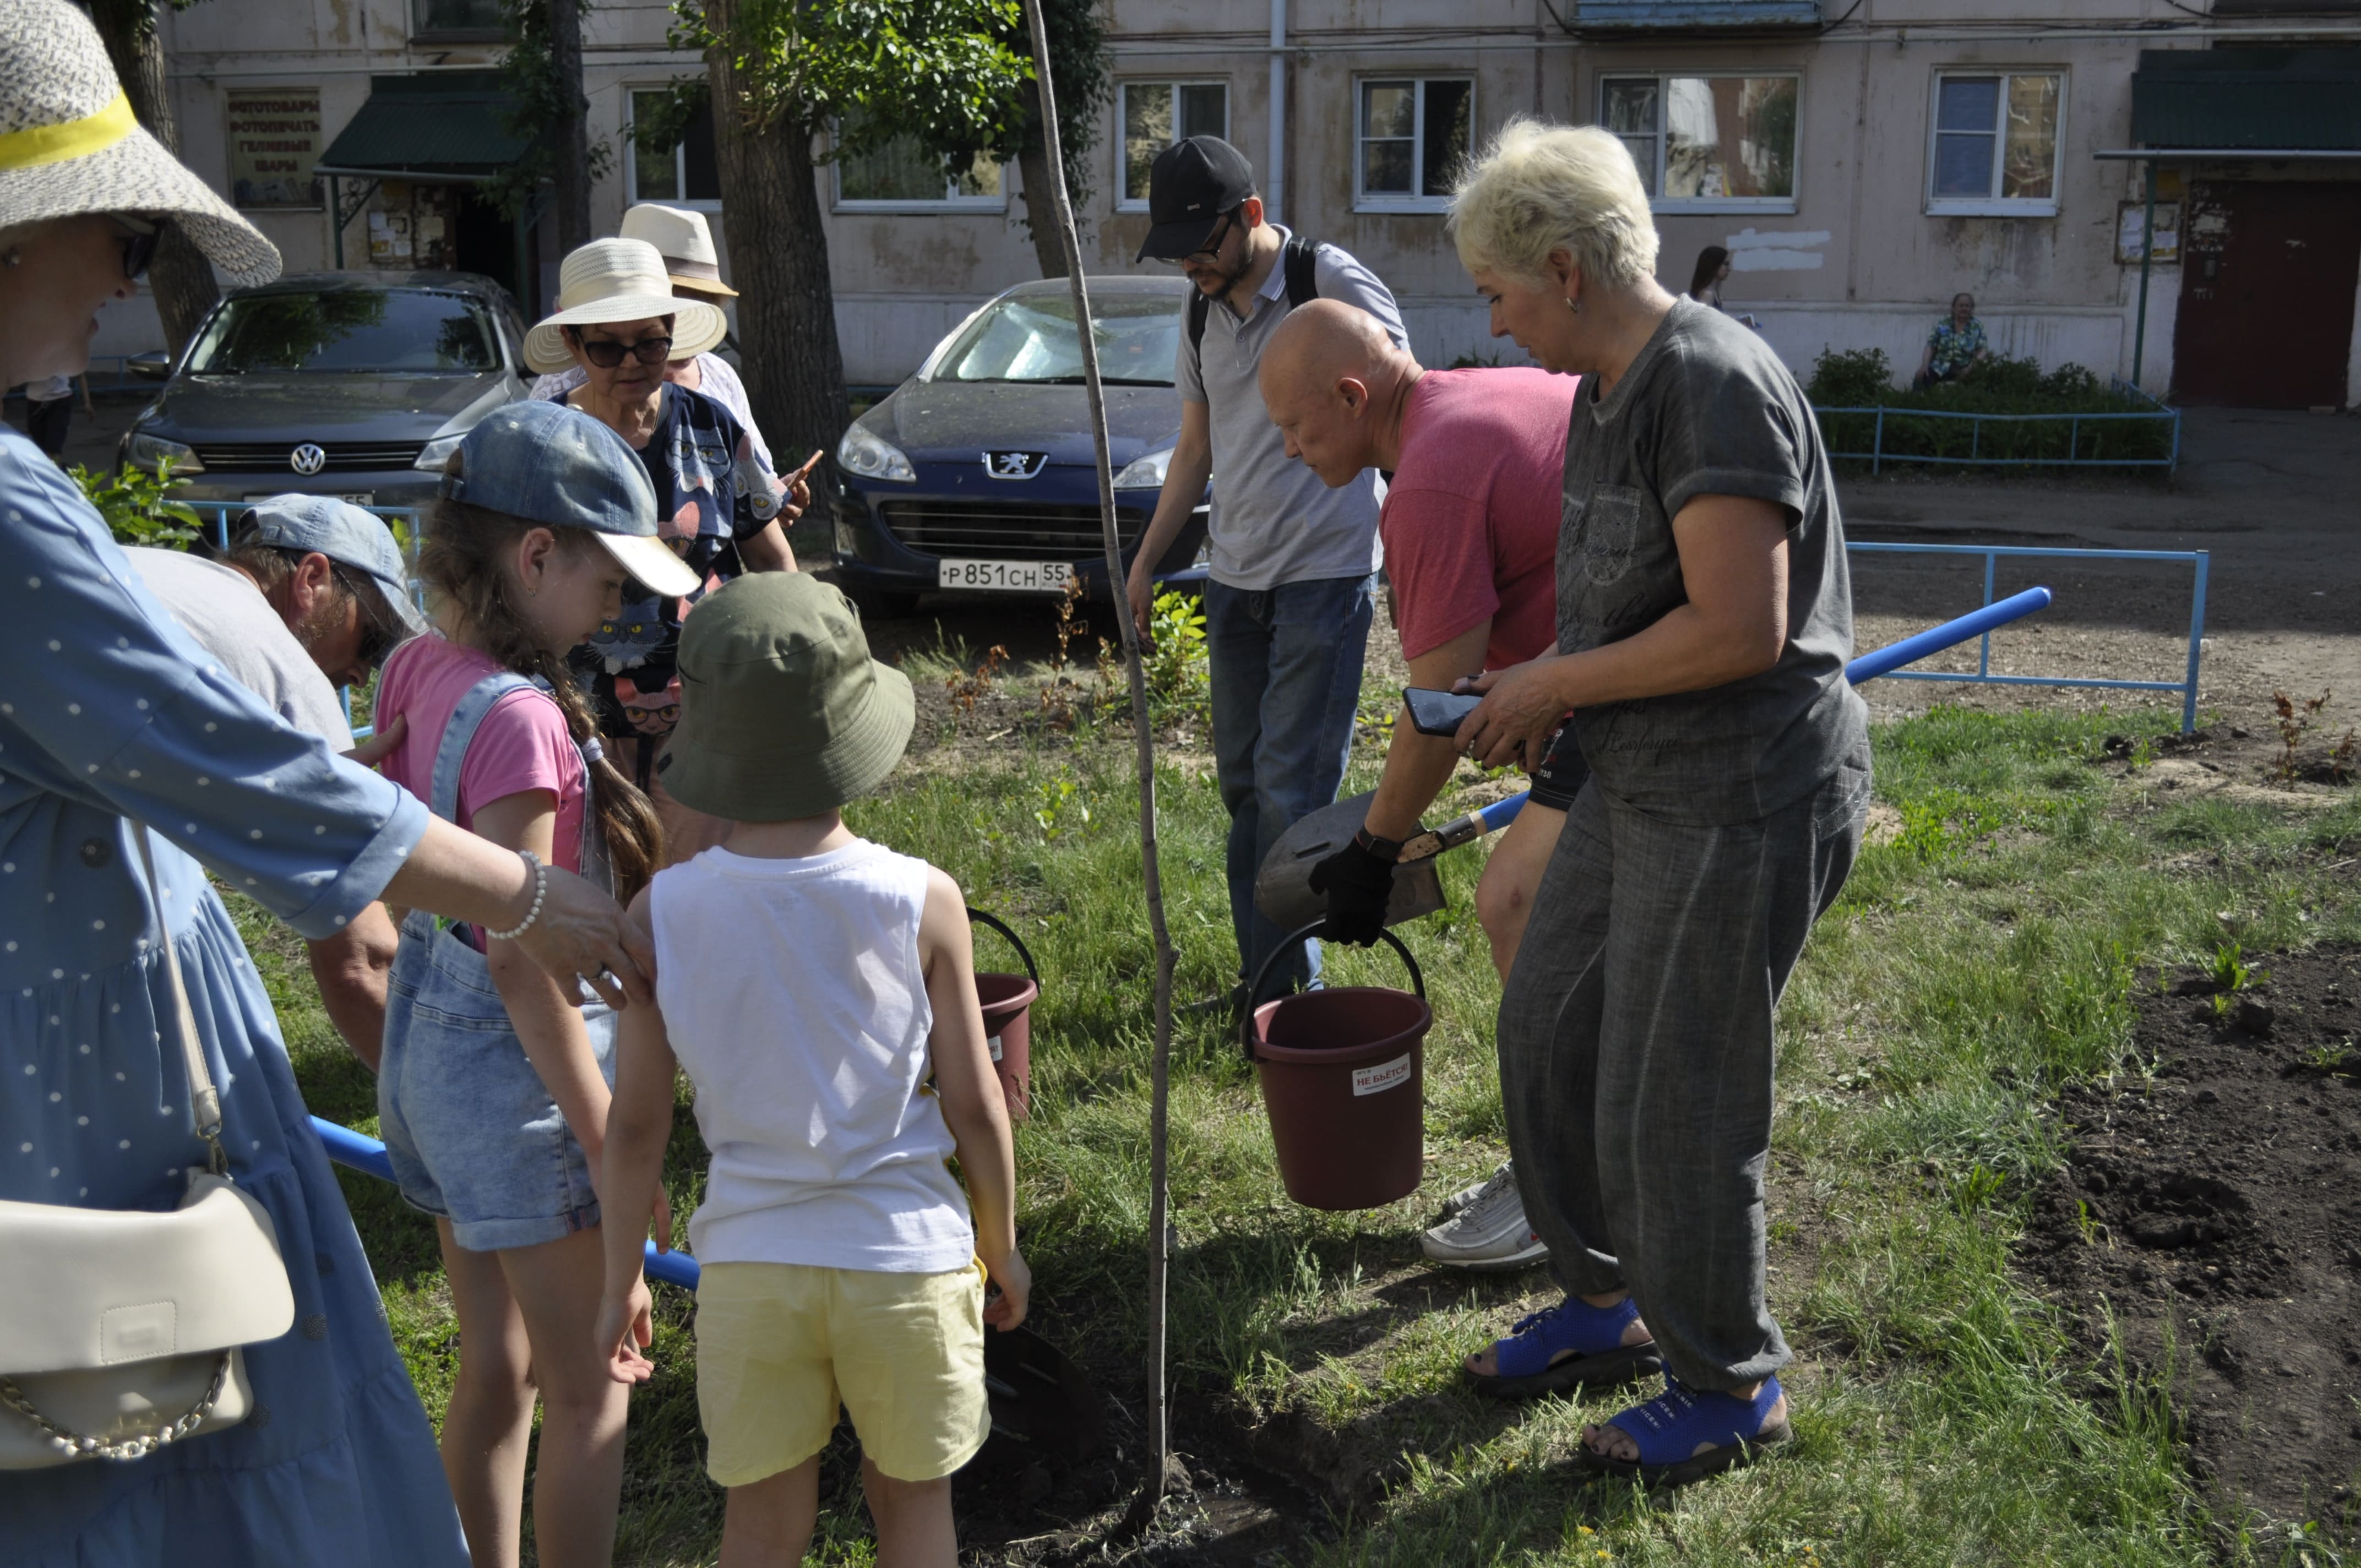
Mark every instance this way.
x=1561 y=774
x=474 y=1137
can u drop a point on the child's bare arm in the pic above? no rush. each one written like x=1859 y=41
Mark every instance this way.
x=639 y=1125
x=971 y=1100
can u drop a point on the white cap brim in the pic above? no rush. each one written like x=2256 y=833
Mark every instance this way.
x=697 y=325
x=652 y=564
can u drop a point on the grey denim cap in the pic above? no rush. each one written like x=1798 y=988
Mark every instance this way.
x=783 y=712
x=558 y=467
x=344 y=534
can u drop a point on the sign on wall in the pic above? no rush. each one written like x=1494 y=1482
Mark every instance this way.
x=274 y=140
x=2131 y=219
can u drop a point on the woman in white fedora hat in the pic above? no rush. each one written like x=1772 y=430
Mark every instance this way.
x=128 y=744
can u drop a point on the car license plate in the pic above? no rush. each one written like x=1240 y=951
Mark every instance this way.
x=351 y=498
x=1004 y=576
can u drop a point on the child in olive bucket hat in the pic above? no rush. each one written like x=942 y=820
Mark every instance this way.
x=810 y=983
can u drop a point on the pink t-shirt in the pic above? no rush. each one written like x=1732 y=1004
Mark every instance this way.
x=1470 y=521
x=522 y=744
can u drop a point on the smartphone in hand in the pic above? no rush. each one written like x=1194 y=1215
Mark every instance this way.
x=1438 y=712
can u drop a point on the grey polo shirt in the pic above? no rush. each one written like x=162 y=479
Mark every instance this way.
x=1273 y=521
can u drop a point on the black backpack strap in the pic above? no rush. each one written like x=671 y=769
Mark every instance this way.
x=1199 y=303
x=1301 y=261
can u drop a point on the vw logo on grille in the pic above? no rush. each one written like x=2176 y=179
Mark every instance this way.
x=1015 y=465
x=308 y=459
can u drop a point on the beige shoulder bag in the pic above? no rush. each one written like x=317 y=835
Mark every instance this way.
x=122 y=1327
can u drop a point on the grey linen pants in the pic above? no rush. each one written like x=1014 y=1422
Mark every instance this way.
x=1637 y=1050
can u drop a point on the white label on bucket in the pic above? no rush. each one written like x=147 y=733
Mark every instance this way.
x=995 y=1042
x=1378 y=1079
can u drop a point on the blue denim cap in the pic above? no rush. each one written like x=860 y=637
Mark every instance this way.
x=346 y=535
x=557 y=466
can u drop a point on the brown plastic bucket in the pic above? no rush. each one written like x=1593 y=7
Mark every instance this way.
x=1007 y=1001
x=1342 y=1076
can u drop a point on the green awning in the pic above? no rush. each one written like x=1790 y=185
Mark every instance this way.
x=441 y=124
x=2274 y=98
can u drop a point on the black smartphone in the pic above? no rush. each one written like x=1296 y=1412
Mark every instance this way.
x=1438 y=713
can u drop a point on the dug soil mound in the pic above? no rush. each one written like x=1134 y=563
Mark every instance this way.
x=2216 y=1211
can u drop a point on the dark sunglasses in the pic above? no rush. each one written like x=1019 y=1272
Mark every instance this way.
x=378 y=639
x=1212 y=249
x=138 y=238
x=607 y=354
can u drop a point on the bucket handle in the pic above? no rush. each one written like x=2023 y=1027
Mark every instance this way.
x=1245 y=1018
x=977 y=917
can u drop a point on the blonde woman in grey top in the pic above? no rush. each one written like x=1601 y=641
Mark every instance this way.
x=1704 y=617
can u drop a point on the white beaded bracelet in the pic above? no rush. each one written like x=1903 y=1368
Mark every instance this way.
x=540 y=892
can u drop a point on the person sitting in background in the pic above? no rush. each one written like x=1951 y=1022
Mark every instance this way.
x=1954 y=348
x=695 y=268
x=311 y=594
x=1704 y=283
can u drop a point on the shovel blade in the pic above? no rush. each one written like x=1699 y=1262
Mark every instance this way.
x=1283 y=887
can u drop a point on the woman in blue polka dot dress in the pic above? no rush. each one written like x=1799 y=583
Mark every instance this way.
x=114 y=718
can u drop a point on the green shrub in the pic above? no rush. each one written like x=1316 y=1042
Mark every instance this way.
x=1865 y=379
x=137 y=505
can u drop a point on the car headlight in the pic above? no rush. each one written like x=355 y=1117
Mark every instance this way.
x=1146 y=472
x=145 y=451
x=873 y=457
x=435 y=456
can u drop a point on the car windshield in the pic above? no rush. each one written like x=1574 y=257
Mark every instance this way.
x=1031 y=337
x=341 y=331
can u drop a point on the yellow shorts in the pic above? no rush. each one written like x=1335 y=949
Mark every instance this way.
x=779 y=1346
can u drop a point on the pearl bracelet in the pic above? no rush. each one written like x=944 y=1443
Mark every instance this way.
x=540 y=892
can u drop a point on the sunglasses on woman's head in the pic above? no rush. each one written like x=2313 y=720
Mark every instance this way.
x=606 y=354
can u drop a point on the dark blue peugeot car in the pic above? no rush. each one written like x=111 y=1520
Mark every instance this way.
x=977 y=475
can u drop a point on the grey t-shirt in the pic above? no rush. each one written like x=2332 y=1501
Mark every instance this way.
x=1273 y=521
x=230 y=619
x=1706 y=409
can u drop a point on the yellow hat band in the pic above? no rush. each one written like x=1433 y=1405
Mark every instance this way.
x=75 y=138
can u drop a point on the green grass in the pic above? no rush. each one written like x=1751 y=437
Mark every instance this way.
x=1980 y=959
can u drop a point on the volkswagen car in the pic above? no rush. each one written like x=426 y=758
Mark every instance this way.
x=979 y=474
x=334 y=383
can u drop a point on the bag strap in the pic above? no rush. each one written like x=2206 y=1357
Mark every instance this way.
x=204 y=1099
x=1300 y=262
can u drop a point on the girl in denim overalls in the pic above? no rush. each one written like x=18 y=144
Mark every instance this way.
x=493 y=1093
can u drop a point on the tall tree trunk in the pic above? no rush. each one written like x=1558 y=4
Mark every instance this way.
x=571 y=136
x=778 y=259
x=1041 y=208
x=181 y=277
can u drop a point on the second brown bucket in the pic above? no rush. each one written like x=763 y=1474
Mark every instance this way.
x=1007 y=1001
x=1342 y=1072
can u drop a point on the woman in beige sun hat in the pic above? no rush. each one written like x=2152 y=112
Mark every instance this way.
x=128 y=741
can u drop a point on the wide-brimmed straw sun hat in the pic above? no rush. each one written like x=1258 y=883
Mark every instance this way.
x=69 y=145
x=783 y=712
x=620 y=280
x=685 y=243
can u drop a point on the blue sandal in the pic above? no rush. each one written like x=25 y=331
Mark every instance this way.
x=1528 y=1361
x=1669 y=1427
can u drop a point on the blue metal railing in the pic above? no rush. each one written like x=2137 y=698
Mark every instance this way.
x=1878 y=456
x=223 y=511
x=2185 y=686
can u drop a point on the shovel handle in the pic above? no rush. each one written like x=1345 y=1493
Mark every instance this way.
x=978 y=918
x=1245 y=1019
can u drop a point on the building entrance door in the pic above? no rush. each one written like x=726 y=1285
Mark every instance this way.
x=2266 y=277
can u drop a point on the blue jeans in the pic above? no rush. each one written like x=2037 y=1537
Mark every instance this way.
x=1285 y=664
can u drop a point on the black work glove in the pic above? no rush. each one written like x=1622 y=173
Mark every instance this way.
x=1360 y=881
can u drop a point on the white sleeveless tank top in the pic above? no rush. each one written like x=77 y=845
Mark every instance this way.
x=794 y=997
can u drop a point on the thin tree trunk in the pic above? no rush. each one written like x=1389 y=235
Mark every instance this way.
x=778 y=259
x=1159 y=1251
x=1041 y=209
x=570 y=136
x=180 y=278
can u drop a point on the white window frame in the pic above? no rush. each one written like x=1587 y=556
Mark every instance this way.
x=1662 y=203
x=1996 y=206
x=679 y=157
x=840 y=203
x=1392 y=201
x=1124 y=203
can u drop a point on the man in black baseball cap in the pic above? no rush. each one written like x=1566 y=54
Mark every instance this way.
x=1293 y=562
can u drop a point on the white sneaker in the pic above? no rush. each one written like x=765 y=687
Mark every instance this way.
x=1485 y=1229
x=1458 y=1202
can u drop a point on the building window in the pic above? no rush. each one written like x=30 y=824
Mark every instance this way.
x=686 y=175
x=898 y=176
x=1714 y=144
x=1412 y=139
x=457 y=19
x=1154 y=115
x=1993 y=146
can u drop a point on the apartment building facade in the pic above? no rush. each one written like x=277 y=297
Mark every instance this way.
x=1861 y=163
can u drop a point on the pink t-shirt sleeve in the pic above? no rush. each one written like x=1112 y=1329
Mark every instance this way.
x=521 y=744
x=1439 y=554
